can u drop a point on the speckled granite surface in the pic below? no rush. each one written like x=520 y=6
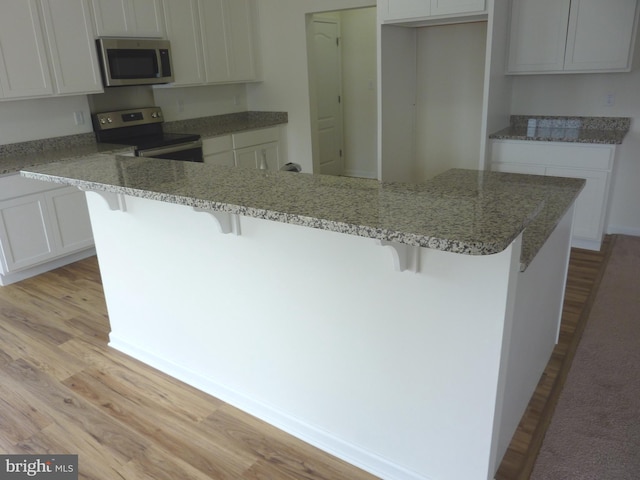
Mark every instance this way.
x=16 y=156
x=603 y=130
x=460 y=211
x=223 y=124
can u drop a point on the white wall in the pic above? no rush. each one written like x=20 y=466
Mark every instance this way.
x=195 y=102
x=25 y=120
x=450 y=80
x=581 y=94
x=359 y=72
x=283 y=43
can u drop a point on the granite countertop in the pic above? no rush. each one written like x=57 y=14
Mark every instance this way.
x=224 y=124
x=16 y=156
x=461 y=211
x=602 y=130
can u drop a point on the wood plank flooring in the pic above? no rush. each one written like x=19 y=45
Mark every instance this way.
x=585 y=272
x=62 y=390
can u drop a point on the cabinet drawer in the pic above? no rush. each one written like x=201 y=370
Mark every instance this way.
x=256 y=137
x=554 y=154
x=216 y=144
x=14 y=185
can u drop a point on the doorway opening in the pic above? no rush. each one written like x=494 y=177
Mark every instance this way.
x=342 y=65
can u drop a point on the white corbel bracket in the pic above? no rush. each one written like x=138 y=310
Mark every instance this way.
x=406 y=258
x=227 y=222
x=115 y=201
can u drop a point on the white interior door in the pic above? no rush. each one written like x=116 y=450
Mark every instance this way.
x=328 y=75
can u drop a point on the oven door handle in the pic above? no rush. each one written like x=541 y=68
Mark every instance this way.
x=152 y=152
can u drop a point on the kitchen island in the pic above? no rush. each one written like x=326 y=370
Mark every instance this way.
x=400 y=327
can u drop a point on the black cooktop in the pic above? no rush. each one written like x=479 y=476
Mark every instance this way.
x=141 y=128
x=162 y=139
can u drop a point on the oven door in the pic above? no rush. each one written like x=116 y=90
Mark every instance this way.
x=188 y=152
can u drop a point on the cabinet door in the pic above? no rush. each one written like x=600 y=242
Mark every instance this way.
x=70 y=219
x=111 y=17
x=182 y=21
x=240 y=39
x=223 y=158
x=148 y=18
x=212 y=24
x=136 y=18
x=450 y=7
x=588 y=220
x=600 y=35
x=538 y=35
x=26 y=236
x=404 y=9
x=72 y=49
x=265 y=156
x=218 y=151
x=24 y=69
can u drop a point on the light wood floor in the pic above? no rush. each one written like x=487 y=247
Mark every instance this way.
x=62 y=390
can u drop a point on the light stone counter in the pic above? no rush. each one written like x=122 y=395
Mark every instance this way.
x=600 y=130
x=460 y=211
x=16 y=156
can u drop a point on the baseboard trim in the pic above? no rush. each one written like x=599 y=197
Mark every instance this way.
x=9 y=278
x=308 y=433
x=616 y=230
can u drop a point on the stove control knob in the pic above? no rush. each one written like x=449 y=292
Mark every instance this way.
x=109 y=120
x=159 y=113
x=103 y=120
x=154 y=115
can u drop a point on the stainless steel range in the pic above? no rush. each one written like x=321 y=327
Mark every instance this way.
x=142 y=128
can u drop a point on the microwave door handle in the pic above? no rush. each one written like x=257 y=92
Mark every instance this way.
x=171 y=149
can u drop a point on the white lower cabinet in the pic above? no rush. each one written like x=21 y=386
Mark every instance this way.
x=258 y=149
x=264 y=156
x=261 y=148
x=39 y=224
x=218 y=151
x=591 y=162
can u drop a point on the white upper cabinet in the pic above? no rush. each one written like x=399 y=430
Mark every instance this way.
x=212 y=41
x=69 y=34
x=24 y=69
x=240 y=39
x=600 y=35
x=183 y=31
x=405 y=11
x=556 y=36
x=451 y=7
x=128 y=18
x=216 y=51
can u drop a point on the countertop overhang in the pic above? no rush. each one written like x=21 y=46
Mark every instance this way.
x=460 y=211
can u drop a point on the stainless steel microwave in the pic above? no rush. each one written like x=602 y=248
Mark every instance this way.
x=134 y=61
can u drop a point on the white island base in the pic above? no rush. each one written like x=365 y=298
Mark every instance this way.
x=408 y=375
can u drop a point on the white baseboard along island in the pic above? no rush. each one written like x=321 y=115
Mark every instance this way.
x=400 y=327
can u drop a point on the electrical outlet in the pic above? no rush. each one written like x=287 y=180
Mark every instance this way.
x=610 y=99
x=180 y=105
x=78 y=117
